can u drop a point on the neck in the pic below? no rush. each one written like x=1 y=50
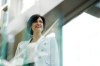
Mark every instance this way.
x=36 y=36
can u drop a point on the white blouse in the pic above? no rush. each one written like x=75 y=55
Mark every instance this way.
x=31 y=50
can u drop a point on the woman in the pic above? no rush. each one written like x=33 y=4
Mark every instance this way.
x=39 y=50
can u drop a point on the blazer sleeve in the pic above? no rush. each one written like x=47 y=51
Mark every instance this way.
x=54 y=53
x=17 y=60
x=18 y=50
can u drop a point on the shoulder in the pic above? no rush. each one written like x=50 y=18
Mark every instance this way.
x=23 y=43
x=51 y=37
x=47 y=40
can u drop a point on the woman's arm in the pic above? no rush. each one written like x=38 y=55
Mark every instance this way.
x=18 y=49
x=15 y=61
x=54 y=53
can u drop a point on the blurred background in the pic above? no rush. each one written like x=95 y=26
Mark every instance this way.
x=79 y=20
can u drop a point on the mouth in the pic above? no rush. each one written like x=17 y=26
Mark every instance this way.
x=38 y=26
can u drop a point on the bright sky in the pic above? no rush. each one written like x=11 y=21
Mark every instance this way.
x=81 y=41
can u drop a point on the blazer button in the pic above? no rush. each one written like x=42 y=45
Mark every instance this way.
x=39 y=57
x=44 y=43
x=42 y=49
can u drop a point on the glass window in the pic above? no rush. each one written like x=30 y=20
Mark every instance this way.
x=3 y=2
x=81 y=41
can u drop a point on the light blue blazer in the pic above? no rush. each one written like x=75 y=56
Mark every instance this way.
x=47 y=45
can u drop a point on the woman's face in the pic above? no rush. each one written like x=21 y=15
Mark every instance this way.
x=37 y=26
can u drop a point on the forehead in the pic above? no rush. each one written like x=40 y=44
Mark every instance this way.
x=39 y=18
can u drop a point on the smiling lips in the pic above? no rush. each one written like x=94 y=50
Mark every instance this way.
x=38 y=26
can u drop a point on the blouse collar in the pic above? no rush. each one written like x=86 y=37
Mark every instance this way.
x=40 y=39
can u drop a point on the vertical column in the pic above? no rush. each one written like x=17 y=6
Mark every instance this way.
x=3 y=33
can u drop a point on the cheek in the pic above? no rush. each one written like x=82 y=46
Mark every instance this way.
x=33 y=26
x=42 y=26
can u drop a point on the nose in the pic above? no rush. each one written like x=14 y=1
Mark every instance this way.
x=38 y=23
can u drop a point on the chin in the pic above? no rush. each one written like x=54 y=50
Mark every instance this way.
x=39 y=30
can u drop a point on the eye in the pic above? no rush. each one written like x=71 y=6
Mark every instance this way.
x=40 y=21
